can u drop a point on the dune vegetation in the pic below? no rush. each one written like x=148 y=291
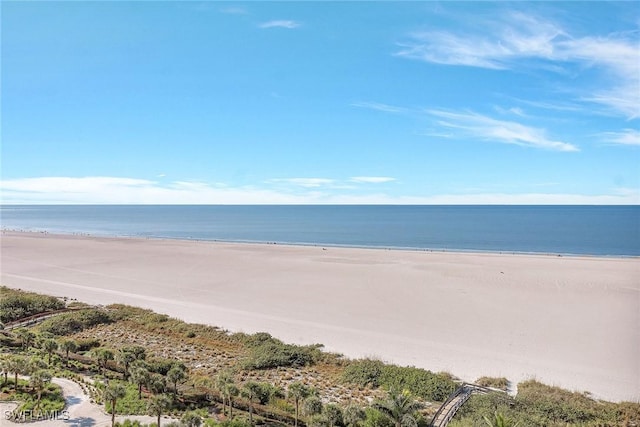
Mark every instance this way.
x=204 y=375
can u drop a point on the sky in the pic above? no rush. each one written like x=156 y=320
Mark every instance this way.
x=320 y=102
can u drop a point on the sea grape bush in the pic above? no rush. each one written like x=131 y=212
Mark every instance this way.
x=73 y=322
x=267 y=352
x=420 y=382
x=15 y=306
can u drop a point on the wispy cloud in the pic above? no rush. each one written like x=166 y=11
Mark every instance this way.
x=619 y=56
x=304 y=182
x=371 y=179
x=475 y=125
x=511 y=111
x=554 y=106
x=281 y=24
x=380 y=107
x=624 y=137
x=115 y=190
x=528 y=38
x=520 y=40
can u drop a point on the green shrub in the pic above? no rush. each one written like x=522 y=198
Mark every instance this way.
x=557 y=405
x=87 y=344
x=375 y=418
x=365 y=372
x=15 y=305
x=130 y=404
x=267 y=352
x=419 y=382
x=73 y=322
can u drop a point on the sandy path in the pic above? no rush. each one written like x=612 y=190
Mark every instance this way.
x=83 y=413
x=573 y=322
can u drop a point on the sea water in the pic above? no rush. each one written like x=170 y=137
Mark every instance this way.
x=578 y=230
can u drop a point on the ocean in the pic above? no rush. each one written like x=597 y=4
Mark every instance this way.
x=567 y=230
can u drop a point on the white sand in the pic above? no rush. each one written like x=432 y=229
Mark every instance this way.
x=567 y=321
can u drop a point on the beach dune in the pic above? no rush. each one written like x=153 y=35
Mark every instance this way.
x=567 y=321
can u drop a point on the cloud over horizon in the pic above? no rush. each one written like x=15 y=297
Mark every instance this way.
x=117 y=190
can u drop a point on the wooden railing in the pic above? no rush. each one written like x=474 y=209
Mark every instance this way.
x=454 y=402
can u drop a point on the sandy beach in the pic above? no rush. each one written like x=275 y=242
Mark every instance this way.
x=567 y=321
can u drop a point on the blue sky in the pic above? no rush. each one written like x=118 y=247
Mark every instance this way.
x=321 y=102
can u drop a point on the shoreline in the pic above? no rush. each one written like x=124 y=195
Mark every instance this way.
x=566 y=321
x=319 y=245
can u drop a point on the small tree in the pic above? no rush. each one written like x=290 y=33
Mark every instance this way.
x=298 y=392
x=33 y=364
x=103 y=356
x=176 y=374
x=18 y=365
x=139 y=352
x=157 y=405
x=68 y=346
x=125 y=357
x=231 y=390
x=251 y=391
x=312 y=406
x=39 y=380
x=140 y=376
x=222 y=382
x=112 y=394
x=26 y=337
x=157 y=383
x=49 y=345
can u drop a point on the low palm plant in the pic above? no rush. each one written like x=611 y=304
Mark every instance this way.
x=399 y=408
x=499 y=420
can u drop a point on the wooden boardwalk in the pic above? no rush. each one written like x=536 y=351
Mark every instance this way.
x=455 y=401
